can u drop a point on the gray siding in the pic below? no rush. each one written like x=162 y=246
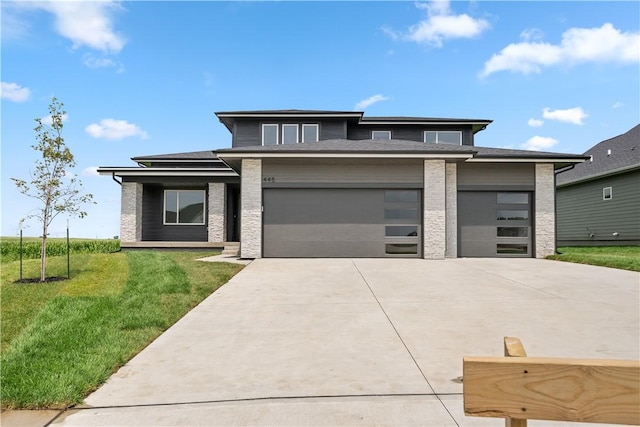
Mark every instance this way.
x=247 y=133
x=496 y=176
x=152 y=215
x=580 y=207
x=342 y=172
x=333 y=129
x=407 y=132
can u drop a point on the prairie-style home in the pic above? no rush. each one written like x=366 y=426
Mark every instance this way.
x=309 y=183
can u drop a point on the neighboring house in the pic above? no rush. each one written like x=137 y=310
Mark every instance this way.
x=599 y=200
x=300 y=183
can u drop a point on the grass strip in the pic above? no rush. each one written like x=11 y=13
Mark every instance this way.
x=622 y=257
x=75 y=342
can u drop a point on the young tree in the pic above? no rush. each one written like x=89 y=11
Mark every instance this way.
x=57 y=190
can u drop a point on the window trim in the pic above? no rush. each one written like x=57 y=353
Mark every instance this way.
x=264 y=125
x=437 y=132
x=604 y=193
x=388 y=132
x=290 y=125
x=314 y=125
x=178 y=191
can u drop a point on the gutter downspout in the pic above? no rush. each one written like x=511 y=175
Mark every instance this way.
x=113 y=177
x=555 y=202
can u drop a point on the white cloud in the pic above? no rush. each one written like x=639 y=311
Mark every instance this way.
x=617 y=104
x=578 y=45
x=539 y=143
x=14 y=92
x=440 y=25
x=535 y=123
x=370 y=101
x=92 y=61
x=91 y=171
x=86 y=23
x=115 y=129
x=574 y=116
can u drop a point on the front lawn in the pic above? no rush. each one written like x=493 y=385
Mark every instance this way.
x=62 y=340
x=623 y=257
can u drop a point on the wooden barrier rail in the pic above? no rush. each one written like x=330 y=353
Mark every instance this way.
x=520 y=388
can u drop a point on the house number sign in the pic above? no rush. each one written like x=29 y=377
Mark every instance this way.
x=269 y=179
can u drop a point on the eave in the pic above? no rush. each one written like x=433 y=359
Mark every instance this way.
x=600 y=176
x=138 y=171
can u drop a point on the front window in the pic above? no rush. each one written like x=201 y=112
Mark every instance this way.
x=184 y=207
x=607 y=193
x=269 y=134
x=443 y=137
x=310 y=133
x=381 y=134
x=289 y=134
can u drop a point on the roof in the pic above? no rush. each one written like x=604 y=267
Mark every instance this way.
x=193 y=155
x=227 y=117
x=394 y=148
x=611 y=156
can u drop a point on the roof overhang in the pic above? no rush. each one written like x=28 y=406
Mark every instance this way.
x=227 y=117
x=600 y=175
x=138 y=171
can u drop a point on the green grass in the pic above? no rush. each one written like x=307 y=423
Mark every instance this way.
x=10 y=247
x=64 y=339
x=622 y=257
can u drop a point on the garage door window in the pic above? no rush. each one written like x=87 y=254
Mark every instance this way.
x=401 y=230
x=401 y=249
x=401 y=196
x=513 y=231
x=509 y=214
x=410 y=214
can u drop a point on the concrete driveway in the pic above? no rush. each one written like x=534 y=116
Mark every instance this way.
x=362 y=341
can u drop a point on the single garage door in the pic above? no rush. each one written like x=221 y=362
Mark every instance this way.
x=494 y=224
x=335 y=223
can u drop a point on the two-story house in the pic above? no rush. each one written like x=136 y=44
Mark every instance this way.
x=300 y=183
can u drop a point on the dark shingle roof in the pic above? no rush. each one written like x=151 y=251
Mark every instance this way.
x=624 y=154
x=397 y=146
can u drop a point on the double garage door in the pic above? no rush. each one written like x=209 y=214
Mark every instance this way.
x=339 y=222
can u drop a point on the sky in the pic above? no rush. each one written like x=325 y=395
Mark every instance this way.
x=141 y=78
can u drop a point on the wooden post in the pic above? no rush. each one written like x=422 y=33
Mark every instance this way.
x=514 y=348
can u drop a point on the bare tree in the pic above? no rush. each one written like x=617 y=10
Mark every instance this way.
x=51 y=183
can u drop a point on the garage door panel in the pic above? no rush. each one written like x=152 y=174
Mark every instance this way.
x=326 y=249
x=334 y=222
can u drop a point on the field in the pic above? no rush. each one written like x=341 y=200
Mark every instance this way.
x=10 y=247
x=62 y=340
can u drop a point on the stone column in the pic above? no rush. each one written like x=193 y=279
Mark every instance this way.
x=251 y=209
x=451 y=226
x=216 y=230
x=434 y=229
x=545 y=218
x=131 y=212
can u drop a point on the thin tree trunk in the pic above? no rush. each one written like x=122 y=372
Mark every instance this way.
x=43 y=254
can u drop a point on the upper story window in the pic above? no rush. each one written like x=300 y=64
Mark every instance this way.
x=269 y=134
x=289 y=133
x=443 y=137
x=381 y=134
x=607 y=193
x=310 y=133
x=184 y=207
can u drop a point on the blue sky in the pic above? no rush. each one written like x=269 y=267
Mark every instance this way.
x=140 y=78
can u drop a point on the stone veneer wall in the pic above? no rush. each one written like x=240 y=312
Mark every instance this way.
x=131 y=212
x=434 y=209
x=451 y=176
x=251 y=209
x=545 y=219
x=216 y=219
